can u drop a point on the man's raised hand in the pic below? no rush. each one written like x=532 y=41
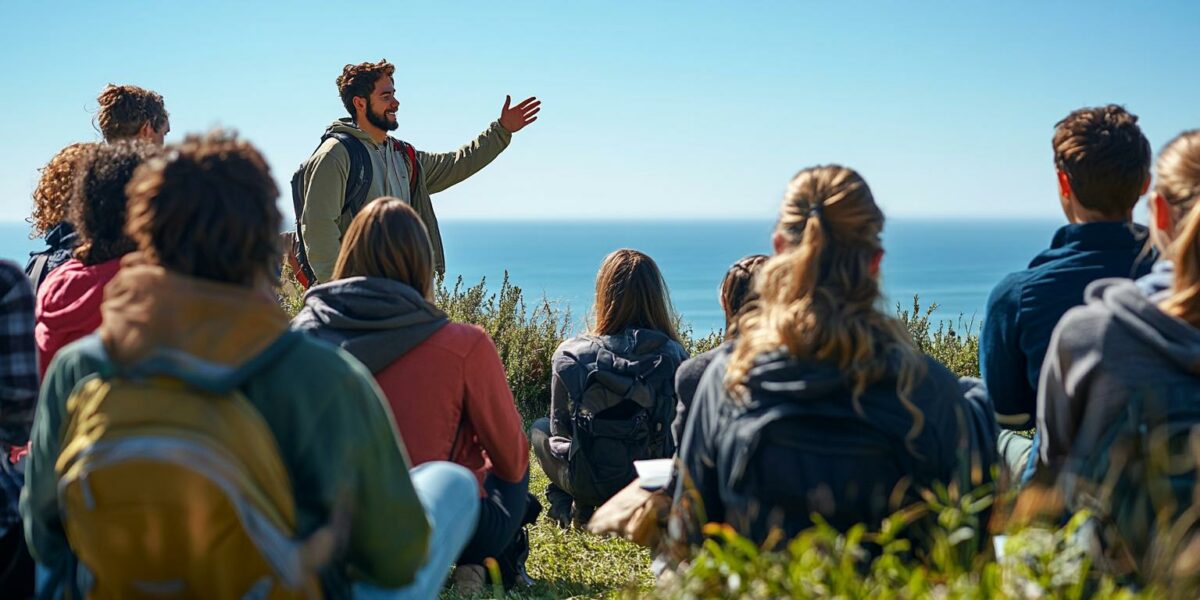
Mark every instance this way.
x=515 y=118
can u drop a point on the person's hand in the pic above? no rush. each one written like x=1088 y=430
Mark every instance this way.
x=517 y=117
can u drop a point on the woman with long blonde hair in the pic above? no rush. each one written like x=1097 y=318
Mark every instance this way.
x=612 y=390
x=824 y=405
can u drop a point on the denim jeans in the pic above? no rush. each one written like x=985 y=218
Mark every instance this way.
x=450 y=495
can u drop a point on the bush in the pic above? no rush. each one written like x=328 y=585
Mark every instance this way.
x=957 y=349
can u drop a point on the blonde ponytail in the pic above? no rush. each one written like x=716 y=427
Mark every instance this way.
x=818 y=299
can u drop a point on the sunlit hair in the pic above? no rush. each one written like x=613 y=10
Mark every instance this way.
x=388 y=239
x=818 y=299
x=1177 y=175
x=1105 y=157
x=1184 y=301
x=358 y=81
x=97 y=209
x=55 y=187
x=125 y=108
x=736 y=289
x=631 y=292
x=206 y=209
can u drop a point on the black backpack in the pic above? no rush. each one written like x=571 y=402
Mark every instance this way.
x=623 y=415
x=781 y=460
x=61 y=241
x=358 y=185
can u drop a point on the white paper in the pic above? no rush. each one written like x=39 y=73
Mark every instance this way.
x=653 y=474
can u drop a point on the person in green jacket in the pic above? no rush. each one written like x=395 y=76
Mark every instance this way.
x=196 y=304
x=368 y=92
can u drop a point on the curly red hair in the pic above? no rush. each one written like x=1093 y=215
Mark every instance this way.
x=54 y=188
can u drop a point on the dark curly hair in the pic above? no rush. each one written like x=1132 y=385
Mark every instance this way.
x=125 y=108
x=206 y=209
x=52 y=196
x=98 y=206
x=1105 y=157
x=358 y=81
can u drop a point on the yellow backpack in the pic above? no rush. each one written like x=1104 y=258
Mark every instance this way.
x=169 y=491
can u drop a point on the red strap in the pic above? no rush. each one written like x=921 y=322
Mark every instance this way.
x=411 y=153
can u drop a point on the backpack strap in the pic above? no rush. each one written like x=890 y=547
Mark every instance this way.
x=38 y=268
x=413 y=166
x=358 y=181
x=358 y=184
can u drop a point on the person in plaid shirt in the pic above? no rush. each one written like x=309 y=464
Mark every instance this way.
x=18 y=396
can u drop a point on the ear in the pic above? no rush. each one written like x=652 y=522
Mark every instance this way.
x=1146 y=185
x=146 y=131
x=1064 y=184
x=873 y=268
x=360 y=104
x=779 y=243
x=1160 y=213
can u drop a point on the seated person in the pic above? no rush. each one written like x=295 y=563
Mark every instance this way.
x=444 y=381
x=51 y=198
x=1103 y=166
x=18 y=396
x=192 y=316
x=824 y=404
x=68 y=301
x=735 y=291
x=612 y=391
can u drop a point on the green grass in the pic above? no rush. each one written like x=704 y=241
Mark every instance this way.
x=576 y=564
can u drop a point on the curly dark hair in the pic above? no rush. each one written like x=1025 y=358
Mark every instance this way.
x=97 y=207
x=1105 y=156
x=52 y=196
x=125 y=108
x=358 y=81
x=206 y=209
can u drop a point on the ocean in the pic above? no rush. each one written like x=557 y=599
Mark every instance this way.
x=953 y=263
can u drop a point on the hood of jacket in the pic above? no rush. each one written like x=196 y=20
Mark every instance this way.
x=1176 y=340
x=202 y=331
x=375 y=319
x=346 y=125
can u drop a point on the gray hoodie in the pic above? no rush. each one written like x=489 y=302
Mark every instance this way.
x=375 y=319
x=1116 y=348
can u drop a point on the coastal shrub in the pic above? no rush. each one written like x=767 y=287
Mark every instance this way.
x=526 y=336
x=955 y=344
x=527 y=332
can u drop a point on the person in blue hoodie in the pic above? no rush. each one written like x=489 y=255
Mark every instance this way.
x=824 y=405
x=1102 y=161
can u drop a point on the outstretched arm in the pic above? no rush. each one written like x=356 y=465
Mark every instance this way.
x=445 y=169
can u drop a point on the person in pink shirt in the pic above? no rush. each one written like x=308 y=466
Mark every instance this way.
x=68 y=301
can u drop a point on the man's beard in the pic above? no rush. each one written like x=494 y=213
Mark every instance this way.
x=380 y=120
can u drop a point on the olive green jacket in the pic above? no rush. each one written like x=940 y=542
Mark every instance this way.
x=322 y=222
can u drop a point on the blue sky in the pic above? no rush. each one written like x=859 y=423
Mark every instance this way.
x=664 y=109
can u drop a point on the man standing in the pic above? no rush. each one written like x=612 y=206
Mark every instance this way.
x=357 y=162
